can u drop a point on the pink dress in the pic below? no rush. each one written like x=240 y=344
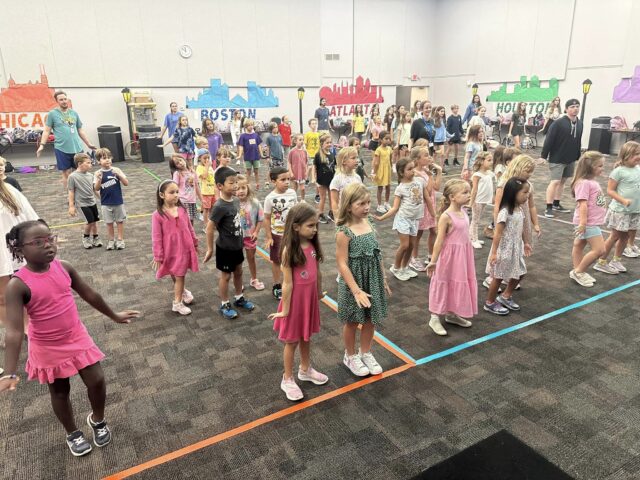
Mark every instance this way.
x=59 y=344
x=174 y=244
x=427 y=220
x=304 y=314
x=298 y=164
x=453 y=287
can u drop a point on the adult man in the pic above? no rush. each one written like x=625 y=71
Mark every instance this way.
x=67 y=129
x=322 y=114
x=171 y=122
x=562 y=148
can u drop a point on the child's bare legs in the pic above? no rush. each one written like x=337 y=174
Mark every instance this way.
x=407 y=254
x=237 y=279
x=631 y=238
x=387 y=193
x=433 y=233
x=305 y=355
x=323 y=196
x=516 y=141
x=276 y=273
x=120 y=230
x=581 y=261
x=349 y=337
x=251 y=261
x=379 y=196
x=223 y=286
x=416 y=244
x=178 y=288
x=614 y=236
x=256 y=174
x=288 y=356
x=493 y=290
x=302 y=189
x=366 y=337
x=511 y=286
x=93 y=378
x=110 y=231
x=61 y=403
x=405 y=245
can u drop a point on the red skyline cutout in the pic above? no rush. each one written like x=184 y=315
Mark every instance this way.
x=360 y=93
x=27 y=97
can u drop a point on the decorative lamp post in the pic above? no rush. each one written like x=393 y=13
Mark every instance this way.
x=474 y=89
x=300 y=97
x=126 y=96
x=586 y=86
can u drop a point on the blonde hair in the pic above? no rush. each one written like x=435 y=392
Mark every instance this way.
x=482 y=156
x=201 y=140
x=6 y=198
x=296 y=136
x=421 y=142
x=452 y=187
x=248 y=121
x=103 y=153
x=628 y=151
x=584 y=168
x=79 y=158
x=344 y=155
x=353 y=193
x=416 y=153
x=518 y=166
x=323 y=156
x=250 y=193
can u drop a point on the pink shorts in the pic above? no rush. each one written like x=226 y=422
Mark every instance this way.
x=249 y=244
x=208 y=201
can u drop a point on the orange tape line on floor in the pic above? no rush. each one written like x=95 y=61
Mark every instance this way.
x=254 y=424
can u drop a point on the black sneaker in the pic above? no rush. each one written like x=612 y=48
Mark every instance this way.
x=101 y=433
x=317 y=198
x=446 y=162
x=560 y=209
x=549 y=213
x=322 y=218
x=244 y=303
x=330 y=216
x=276 y=290
x=456 y=163
x=78 y=445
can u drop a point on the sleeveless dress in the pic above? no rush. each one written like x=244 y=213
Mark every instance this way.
x=304 y=312
x=453 y=287
x=59 y=344
x=364 y=262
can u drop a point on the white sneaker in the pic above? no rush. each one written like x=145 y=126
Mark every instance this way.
x=381 y=209
x=580 y=278
x=636 y=249
x=399 y=274
x=481 y=242
x=436 y=326
x=454 y=319
x=617 y=265
x=371 y=363
x=629 y=253
x=181 y=308
x=605 y=268
x=387 y=206
x=476 y=244
x=409 y=272
x=591 y=279
x=355 y=364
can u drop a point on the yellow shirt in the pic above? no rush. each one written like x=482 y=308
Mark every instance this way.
x=358 y=123
x=208 y=185
x=312 y=143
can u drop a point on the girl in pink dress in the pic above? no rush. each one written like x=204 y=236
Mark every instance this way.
x=59 y=344
x=187 y=180
x=453 y=291
x=174 y=243
x=297 y=159
x=298 y=314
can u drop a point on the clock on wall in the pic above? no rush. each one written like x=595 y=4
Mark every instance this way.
x=185 y=51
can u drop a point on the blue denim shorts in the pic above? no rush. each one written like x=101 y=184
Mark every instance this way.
x=590 y=232
x=406 y=226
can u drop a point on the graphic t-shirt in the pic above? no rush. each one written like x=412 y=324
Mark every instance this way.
x=82 y=186
x=226 y=216
x=628 y=179
x=312 y=143
x=208 y=184
x=186 y=182
x=341 y=180
x=249 y=143
x=110 y=189
x=251 y=214
x=411 y=199
x=65 y=130
x=277 y=205
x=590 y=191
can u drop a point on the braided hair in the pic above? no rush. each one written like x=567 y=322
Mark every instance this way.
x=16 y=235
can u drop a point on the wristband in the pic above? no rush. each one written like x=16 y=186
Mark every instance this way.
x=10 y=377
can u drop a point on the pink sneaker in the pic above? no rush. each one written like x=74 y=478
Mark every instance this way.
x=291 y=389
x=313 y=376
x=187 y=297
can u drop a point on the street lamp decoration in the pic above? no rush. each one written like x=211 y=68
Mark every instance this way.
x=126 y=95
x=474 y=89
x=586 y=86
x=301 y=93
x=300 y=97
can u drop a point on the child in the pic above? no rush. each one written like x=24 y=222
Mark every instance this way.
x=358 y=123
x=83 y=197
x=225 y=219
x=185 y=138
x=249 y=149
x=298 y=314
x=518 y=120
x=410 y=197
x=108 y=182
x=201 y=144
x=172 y=162
x=324 y=166
x=312 y=145
x=481 y=193
x=381 y=172
x=404 y=135
x=59 y=345
x=174 y=243
x=363 y=284
x=453 y=291
x=509 y=247
x=475 y=137
x=624 y=210
x=223 y=159
x=206 y=183
x=589 y=215
x=499 y=165
x=251 y=218
x=454 y=127
x=441 y=135
x=187 y=182
x=432 y=174
x=10 y=180
x=297 y=160
x=214 y=139
x=285 y=132
x=345 y=175
x=376 y=128
x=360 y=170
x=276 y=207
x=275 y=148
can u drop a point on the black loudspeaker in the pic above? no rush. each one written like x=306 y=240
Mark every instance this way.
x=110 y=136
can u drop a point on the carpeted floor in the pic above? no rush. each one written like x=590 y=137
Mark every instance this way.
x=568 y=386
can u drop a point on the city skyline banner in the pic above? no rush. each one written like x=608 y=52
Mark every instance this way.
x=342 y=100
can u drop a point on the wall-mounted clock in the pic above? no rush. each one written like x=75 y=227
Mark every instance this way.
x=185 y=51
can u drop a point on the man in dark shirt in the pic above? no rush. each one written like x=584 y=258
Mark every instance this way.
x=562 y=147
x=322 y=114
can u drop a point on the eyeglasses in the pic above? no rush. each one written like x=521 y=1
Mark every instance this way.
x=42 y=241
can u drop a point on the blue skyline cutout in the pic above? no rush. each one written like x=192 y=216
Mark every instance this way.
x=217 y=96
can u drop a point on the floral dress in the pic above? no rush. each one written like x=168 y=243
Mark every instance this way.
x=365 y=265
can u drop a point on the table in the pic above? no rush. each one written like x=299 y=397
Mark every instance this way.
x=627 y=132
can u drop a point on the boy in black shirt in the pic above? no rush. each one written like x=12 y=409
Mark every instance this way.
x=225 y=218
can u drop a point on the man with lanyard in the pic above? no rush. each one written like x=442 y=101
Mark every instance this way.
x=67 y=130
x=423 y=128
x=562 y=147
x=322 y=114
x=171 y=122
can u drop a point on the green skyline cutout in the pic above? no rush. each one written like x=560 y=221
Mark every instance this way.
x=526 y=91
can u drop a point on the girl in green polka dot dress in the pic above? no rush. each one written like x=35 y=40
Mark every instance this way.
x=363 y=288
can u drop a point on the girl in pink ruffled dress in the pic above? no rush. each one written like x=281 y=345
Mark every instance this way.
x=59 y=344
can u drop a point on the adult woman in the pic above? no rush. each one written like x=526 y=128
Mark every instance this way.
x=472 y=108
x=416 y=111
x=14 y=209
x=235 y=128
x=170 y=123
x=552 y=114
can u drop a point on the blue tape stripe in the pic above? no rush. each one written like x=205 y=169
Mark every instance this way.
x=519 y=326
x=263 y=251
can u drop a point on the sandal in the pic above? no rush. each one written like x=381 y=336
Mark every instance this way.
x=257 y=284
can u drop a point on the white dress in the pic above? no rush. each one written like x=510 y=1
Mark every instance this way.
x=8 y=220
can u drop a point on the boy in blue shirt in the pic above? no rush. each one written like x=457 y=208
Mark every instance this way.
x=108 y=181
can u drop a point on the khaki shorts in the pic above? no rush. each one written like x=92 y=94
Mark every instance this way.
x=558 y=171
x=114 y=213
